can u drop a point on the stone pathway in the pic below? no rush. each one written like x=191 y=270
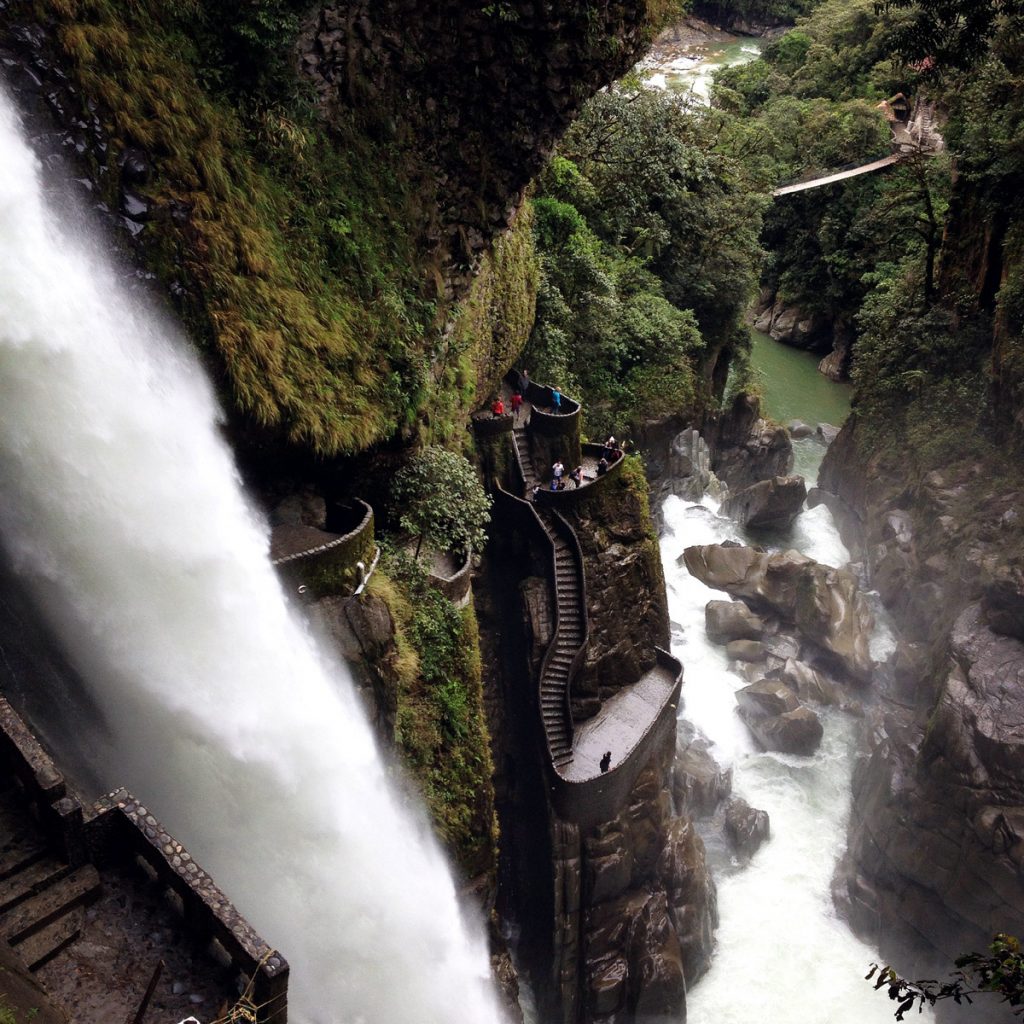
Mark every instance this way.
x=620 y=724
x=92 y=939
x=626 y=718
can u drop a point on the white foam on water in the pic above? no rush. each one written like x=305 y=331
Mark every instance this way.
x=782 y=954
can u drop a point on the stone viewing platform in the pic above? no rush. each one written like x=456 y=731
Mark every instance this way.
x=327 y=561
x=92 y=898
x=630 y=724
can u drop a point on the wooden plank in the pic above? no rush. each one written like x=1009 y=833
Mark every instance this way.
x=39 y=949
x=34 y=914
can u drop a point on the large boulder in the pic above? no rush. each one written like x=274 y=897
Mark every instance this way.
x=766 y=698
x=767 y=505
x=699 y=783
x=745 y=447
x=1003 y=602
x=809 y=683
x=795 y=732
x=731 y=620
x=746 y=828
x=824 y=604
x=746 y=650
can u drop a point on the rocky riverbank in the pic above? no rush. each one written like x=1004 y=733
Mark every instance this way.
x=936 y=843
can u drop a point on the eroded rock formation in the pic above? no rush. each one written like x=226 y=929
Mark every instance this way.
x=824 y=604
x=933 y=867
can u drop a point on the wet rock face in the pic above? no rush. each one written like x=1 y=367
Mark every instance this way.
x=448 y=69
x=823 y=604
x=746 y=828
x=767 y=505
x=938 y=828
x=699 y=783
x=649 y=910
x=745 y=447
x=776 y=718
x=934 y=861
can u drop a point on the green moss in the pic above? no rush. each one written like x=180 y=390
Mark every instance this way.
x=441 y=731
x=294 y=251
x=490 y=329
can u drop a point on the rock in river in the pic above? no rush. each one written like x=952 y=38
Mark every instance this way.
x=823 y=603
x=731 y=620
x=769 y=504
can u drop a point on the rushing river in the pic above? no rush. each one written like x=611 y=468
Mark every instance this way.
x=691 y=69
x=783 y=956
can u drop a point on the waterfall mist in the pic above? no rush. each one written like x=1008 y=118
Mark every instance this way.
x=121 y=508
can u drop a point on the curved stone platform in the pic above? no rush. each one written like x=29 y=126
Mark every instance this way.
x=327 y=563
x=592 y=480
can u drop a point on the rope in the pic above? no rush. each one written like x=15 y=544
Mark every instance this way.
x=245 y=1011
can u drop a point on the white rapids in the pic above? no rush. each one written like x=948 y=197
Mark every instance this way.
x=121 y=507
x=783 y=956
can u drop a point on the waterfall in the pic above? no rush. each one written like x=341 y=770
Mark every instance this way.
x=121 y=507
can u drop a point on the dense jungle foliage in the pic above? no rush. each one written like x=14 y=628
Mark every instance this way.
x=648 y=240
x=868 y=253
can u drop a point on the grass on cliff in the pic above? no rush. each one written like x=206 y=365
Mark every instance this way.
x=292 y=251
x=441 y=731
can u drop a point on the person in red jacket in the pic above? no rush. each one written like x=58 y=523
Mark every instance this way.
x=497 y=407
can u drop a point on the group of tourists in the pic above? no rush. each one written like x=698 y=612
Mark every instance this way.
x=558 y=476
x=518 y=397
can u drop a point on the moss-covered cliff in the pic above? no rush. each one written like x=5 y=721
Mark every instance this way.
x=315 y=186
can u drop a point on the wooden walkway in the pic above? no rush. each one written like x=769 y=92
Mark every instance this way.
x=829 y=179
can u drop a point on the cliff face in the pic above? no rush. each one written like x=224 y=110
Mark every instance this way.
x=316 y=245
x=484 y=90
x=933 y=864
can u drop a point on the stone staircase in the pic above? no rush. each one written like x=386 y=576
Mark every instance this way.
x=522 y=443
x=42 y=899
x=570 y=622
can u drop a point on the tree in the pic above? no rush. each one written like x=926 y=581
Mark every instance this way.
x=953 y=33
x=1000 y=971
x=438 y=498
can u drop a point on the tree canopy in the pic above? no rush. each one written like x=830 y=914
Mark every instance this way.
x=440 y=500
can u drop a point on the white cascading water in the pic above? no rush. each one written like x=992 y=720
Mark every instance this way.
x=783 y=956
x=121 y=506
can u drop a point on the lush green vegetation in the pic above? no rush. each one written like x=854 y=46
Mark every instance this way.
x=437 y=498
x=440 y=729
x=293 y=250
x=761 y=12
x=895 y=255
x=648 y=246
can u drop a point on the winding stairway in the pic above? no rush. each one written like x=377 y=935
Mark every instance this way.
x=631 y=722
x=569 y=628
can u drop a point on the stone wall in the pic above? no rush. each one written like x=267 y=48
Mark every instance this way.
x=118 y=828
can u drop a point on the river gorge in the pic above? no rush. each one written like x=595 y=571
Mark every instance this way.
x=348 y=675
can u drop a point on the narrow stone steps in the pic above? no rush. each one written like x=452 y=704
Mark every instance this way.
x=38 y=949
x=33 y=879
x=57 y=900
x=19 y=857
